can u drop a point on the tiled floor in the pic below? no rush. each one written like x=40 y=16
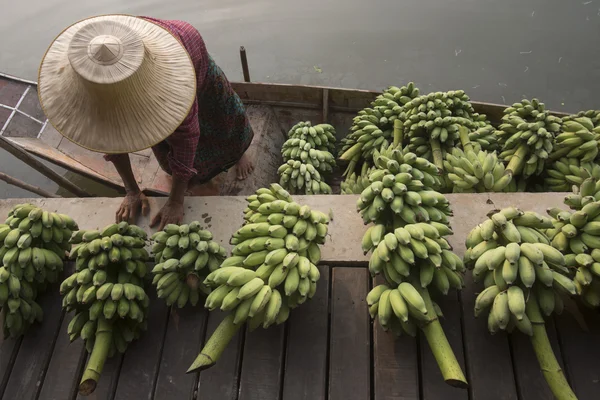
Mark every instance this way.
x=20 y=112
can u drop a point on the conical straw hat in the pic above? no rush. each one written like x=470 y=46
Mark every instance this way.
x=116 y=83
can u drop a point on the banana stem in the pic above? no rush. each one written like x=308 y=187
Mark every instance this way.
x=95 y=364
x=518 y=159
x=397 y=133
x=463 y=134
x=351 y=166
x=192 y=281
x=215 y=346
x=436 y=151
x=546 y=358
x=446 y=360
x=352 y=152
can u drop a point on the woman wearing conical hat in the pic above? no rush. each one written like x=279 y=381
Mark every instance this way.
x=118 y=84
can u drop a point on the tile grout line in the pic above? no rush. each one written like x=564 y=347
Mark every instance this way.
x=12 y=114
x=39 y=135
x=22 y=113
x=29 y=116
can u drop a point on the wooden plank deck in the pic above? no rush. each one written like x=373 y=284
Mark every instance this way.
x=328 y=349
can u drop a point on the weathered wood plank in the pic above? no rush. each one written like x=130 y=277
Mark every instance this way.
x=434 y=387
x=531 y=384
x=581 y=352
x=185 y=334
x=66 y=365
x=348 y=99
x=396 y=367
x=395 y=364
x=307 y=346
x=8 y=353
x=350 y=340
x=222 y=380
x=35 y=351
x=262 y=363
x=490 y=373
x=141 y=360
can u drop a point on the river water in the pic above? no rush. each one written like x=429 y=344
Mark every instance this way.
x=497 y=51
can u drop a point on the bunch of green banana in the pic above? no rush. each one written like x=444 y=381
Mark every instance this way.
x=176 y=241
x=303 y=151
x=418 y=249
x=564 y=173
x=33 y=245
x=414 y=257
x=579 y=139
x=107 y=293
x=593 y=115
x=307 y=155
x=402 y=190
x=373 y=127
x=430 y=123
x=354 y=184
x=191 y=255
x=524 y=278
x=272 y=268
x=510 y=249
x=321 y=137
x=299 y=177
x=475 y=171
x=527 y=137
x=485 y=136
x=577 y=235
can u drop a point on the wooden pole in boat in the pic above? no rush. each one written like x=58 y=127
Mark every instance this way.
x=245 y=68
x=49 y=173
x=30 y=188
x=325 y=105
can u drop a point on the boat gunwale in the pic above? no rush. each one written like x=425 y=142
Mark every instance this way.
x=307 y=97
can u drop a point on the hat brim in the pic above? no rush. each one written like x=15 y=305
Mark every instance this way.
x=131 y=115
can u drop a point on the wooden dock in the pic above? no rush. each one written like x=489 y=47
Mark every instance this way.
x=329 y=349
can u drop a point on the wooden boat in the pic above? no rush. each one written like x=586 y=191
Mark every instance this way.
x=272 y=109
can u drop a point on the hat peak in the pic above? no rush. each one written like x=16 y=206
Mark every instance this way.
x=105 y=49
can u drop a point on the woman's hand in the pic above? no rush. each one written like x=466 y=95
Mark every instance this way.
x=171 y=213
x=131 y=205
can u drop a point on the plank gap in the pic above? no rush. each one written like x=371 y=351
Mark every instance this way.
x=463 y=335
x=10 y=364
x=562 y=347
x=118 y=374
x=286 y=331
x=160 y=354
x=304 y=377
x=84 y=360
x=240 y=361
x=371 y=339
x=202 y=340
x=420 y=363
x=513 y=362
x=40 y=383
x=329 y=307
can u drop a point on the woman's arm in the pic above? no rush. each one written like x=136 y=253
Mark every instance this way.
x=183 y=143
x=123 y=166
x=134 y=198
